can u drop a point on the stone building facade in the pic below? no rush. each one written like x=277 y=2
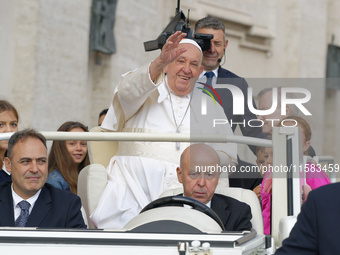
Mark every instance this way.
x=48 y=72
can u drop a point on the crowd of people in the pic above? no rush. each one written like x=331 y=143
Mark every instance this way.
x=158 y=97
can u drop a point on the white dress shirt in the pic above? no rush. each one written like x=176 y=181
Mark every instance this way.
x=17 y=199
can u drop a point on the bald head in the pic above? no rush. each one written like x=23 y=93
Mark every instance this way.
x=198 y=155
x=265 y=97
x=198 y=172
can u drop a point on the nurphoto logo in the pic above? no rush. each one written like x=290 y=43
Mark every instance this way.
x=239 y=102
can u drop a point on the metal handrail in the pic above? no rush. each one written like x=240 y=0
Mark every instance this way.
x=148 y=137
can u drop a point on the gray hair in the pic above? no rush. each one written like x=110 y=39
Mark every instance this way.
x=210 y=22
x=21 y=136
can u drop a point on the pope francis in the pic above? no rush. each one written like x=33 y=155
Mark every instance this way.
x=156 y=98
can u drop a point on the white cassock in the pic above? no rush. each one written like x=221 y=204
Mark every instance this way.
x=141 y=171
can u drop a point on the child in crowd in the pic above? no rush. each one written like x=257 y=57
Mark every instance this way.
x=67 y=159
x=260 y=160
x=101 y=117
x=314 y=179
x=8 y=123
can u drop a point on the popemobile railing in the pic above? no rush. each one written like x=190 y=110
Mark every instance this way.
x=147 y=137
x=287 y=154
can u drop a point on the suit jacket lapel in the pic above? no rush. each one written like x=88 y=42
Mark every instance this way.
x=221 y=75
x=219 y=72
x=220 y=208
x=6 y=207
x=41 y=208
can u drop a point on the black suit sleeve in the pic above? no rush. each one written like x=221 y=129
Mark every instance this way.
x=255 y=129
x=243 y=221
x=74 y=218
x=303 y=237
x=248 y=115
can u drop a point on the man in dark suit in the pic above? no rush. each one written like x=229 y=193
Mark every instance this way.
x=4 y=177
x=211 y=62
x=199 y=174
x=317 y=228
x=28 y=201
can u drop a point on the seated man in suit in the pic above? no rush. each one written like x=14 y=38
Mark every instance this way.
x=28 y=201
x=199 y=174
